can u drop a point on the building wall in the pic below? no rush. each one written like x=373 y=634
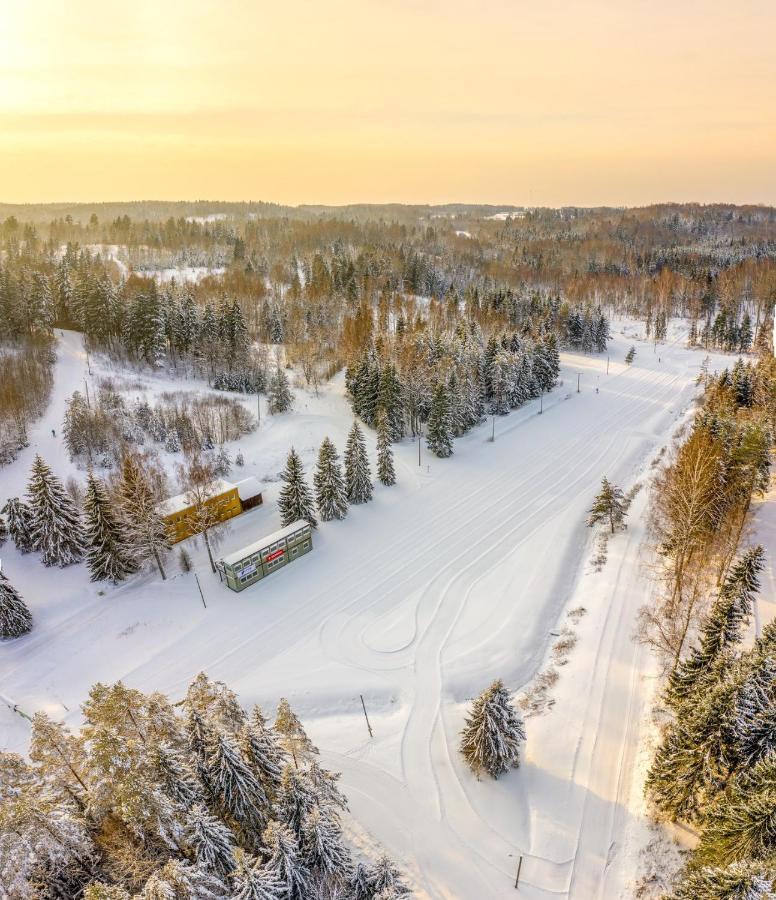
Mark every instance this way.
x=267 y=560
x=179 y=524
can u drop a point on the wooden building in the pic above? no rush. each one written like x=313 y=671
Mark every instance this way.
x=179 y=512
x=254 y=562
x=249 y=492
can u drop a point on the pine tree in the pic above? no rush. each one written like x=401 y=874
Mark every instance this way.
x=630 y=355
x=15 y=618
x=739 y=881
x=358 y=479
x=108 y=555
x=213 y=843
x=55 y=526
x=494 y=729
x=286 y=862
x=293 y=738
x=439 y=439
x=146 y=533
x=295 y=501
x=609 y=505
x=385 y=470
x=330 y=492
x=279 y=394
x=19 y=524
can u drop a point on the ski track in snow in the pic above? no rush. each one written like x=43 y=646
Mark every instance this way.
x=418 y=600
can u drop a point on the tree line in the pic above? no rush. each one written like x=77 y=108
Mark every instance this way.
x=151 y=799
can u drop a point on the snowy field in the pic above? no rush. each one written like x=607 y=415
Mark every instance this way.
x=463 y=572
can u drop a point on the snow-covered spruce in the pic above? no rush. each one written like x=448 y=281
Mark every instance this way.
x=440 y=438
x=108 y=554
x=609 y=506
x=295 y=501
x=55 y=525
x=385 y=469
x=358 y=478
x=738 y=881
x=291 y=734
x=19 y=523
x=280 y=397
x=330 y=494
x=494 y=730
x=15 y=618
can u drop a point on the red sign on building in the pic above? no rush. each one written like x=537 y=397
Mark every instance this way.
x=276 y=555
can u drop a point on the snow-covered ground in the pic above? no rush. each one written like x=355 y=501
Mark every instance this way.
x=457 y=575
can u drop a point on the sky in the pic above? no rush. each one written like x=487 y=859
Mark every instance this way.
x=549 y=102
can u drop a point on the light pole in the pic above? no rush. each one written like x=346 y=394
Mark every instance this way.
x=579 y=375
x=493 y=432
x=607 y=365
x=541 y=402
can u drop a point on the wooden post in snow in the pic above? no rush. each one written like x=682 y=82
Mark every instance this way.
x=363 y=706
x=519 y=867
x=196 y=578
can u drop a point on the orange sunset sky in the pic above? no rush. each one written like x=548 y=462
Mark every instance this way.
x=541 y=103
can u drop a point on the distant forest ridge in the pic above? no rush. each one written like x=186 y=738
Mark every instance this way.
x=162 y=209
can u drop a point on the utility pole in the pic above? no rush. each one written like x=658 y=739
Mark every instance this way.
x=493 y=432
x=607 y=365
x=86 y=385
x=541 y=402
x=579 y=375
x=420 y=433
x=258 y=408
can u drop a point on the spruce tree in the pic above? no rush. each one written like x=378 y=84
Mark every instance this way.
x=608 y=506
x=741 y=824
x=630 y=355
x=386 y=879
x=385 y=470
x=19 y=524
x=262 y=749
x=739 y=881
x=286 y=862
x=252 y=881
x=322 y=844
x=494 y=729
x=280 y=398
x=755 y=725
x=15 y=618
x=108 y=555
x=3 y=531
x=330 y=494
x=213 y=843
x=722 y=627
x=439 y=438
x=55 y=526
x=237 y=787
x=358 y=479
x=295 y=501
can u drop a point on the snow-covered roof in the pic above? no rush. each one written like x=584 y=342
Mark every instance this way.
x=248 y=488
x=185 y=500
x=239 y=555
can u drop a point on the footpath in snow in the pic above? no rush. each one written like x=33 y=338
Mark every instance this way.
x=454 y=577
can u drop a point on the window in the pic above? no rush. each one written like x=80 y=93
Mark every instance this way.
x=306 y=545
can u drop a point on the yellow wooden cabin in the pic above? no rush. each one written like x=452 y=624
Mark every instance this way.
x=178 y=512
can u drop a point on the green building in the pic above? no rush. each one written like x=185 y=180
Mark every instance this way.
x=254 y=562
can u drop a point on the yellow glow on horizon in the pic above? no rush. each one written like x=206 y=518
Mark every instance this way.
x=504 y=101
